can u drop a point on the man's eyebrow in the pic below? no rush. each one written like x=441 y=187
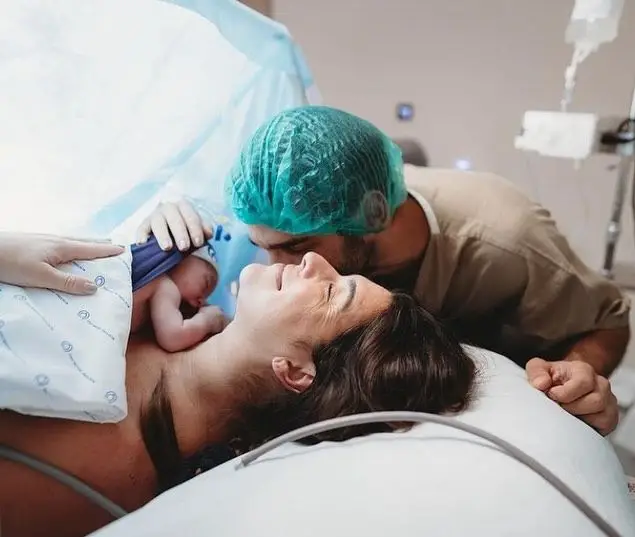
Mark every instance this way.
x=279 y=245
x=352 y=288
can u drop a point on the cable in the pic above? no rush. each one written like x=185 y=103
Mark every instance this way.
x=421 y=417
x=357 y=419
x=66 y=479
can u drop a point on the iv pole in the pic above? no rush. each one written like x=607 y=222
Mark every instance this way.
x=624 y=144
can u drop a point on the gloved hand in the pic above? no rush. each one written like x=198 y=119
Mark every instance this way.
x=578 y=389
x=179 y=220
x=30 y=260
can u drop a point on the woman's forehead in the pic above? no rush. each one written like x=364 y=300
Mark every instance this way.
x=364 y=299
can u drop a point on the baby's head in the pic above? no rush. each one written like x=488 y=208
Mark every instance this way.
x=196 y=277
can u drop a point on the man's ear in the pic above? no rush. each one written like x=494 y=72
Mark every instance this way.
x=295 y=378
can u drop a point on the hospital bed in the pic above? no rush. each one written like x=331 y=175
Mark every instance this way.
x=432 y=480
x=514 y=463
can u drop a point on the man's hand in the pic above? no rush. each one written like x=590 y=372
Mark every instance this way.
x=578 y=389
x=179 y=220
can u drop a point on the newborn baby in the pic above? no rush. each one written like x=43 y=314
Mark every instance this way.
x=163 y=284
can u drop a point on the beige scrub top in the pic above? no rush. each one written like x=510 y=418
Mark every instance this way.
x=500 y=272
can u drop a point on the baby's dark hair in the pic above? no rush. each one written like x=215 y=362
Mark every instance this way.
x=402 y=359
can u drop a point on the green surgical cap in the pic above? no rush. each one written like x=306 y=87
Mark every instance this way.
x=317 y=171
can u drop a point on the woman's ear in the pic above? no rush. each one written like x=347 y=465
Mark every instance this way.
x=294 y=377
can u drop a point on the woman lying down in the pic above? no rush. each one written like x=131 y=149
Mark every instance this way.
x=306 y=344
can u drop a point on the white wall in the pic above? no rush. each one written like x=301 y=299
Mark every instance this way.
x=472 y=67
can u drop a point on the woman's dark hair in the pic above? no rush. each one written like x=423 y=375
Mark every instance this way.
x=402 y=359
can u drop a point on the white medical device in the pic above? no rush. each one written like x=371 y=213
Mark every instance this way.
x=578 y=136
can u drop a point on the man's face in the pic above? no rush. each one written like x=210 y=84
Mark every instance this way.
x=348 y=255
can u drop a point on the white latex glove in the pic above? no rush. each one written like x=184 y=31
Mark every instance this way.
x=30 y=260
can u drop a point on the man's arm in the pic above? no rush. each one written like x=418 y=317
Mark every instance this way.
x=576 y=375
x=586 y=317
x=578 y=314
x=173 y=333
x=602 y=349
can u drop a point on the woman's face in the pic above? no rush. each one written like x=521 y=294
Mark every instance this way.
x=287 y=306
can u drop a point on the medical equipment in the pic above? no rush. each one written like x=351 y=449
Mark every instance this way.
x=420 y=417
x=349 y=179
x=577 y=136
x=592 y=23
x=329 y=425
x=63 y=356
x=66 y=479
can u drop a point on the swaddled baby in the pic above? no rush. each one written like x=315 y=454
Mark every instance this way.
x=165 y=284
x=64 y=356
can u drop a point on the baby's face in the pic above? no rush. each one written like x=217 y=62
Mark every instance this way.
x=195 y=279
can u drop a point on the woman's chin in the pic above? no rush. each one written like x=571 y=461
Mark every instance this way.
x=250 y=273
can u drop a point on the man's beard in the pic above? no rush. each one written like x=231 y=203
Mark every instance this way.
x=403 y=278
x=358 y=257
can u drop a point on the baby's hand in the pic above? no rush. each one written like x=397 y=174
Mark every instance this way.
x=214 y=318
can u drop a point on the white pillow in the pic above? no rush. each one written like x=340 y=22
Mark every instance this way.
x=430 y=481
x=64 y=356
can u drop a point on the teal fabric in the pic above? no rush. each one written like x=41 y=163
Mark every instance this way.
x=316 y=170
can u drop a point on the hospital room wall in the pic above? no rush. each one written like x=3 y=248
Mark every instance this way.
x=471 y=69
x=264 y=6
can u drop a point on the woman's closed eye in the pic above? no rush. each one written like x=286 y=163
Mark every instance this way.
x=330 y=292
x=295 y=249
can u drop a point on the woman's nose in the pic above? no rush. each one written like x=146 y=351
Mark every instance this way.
x=314 y=265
